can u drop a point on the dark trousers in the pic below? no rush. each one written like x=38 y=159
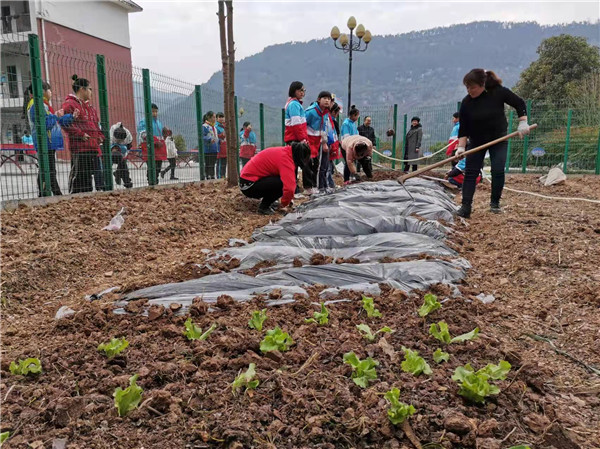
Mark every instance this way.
x=54 y=187
x=98 y=174
x=82 y=169
x=270 y=189
x=244 y=161
x=122 y=172
x=323 y=169
x=310 y=173
x=157 y=167
x=365 y=163
x=475 y=164
x=172 y=165
x=414 y=167
x=210 y=160
x=221 y=167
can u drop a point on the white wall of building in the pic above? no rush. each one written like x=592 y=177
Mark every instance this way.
x=103 y=19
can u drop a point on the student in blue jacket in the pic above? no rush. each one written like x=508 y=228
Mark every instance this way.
x=210 y=137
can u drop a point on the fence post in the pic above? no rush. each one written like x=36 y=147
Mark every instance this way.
x=510 y=127
x=395 y=125
x=199 y=123
x=526 y=140
x=237 y=133
x=104 y=122
x=262 y=126
x=283 y=126
x=567 y=140
x=40 y=115
x=151 y=163
x=598 y=156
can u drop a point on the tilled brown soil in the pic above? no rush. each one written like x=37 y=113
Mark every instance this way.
x=540 y=261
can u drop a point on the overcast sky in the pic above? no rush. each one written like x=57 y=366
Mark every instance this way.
x=181 y=38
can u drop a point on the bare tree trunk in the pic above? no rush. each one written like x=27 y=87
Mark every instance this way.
x=232 y=136
x=225 y=64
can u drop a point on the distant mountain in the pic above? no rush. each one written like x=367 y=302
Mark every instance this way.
x=420 y=68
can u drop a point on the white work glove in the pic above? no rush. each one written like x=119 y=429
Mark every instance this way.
x=459 y=152
x=523 y=128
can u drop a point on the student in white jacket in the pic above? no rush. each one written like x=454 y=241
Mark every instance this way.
x=171 y=153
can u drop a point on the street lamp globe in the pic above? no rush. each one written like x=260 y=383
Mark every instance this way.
x=351 y=23
x=367 y=38
x=344 y=40
x=335 y=33
x=360 y=31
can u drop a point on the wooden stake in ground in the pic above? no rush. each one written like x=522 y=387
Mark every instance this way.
x=228 y=63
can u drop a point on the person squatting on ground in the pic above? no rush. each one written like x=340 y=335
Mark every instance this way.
x=482 y=120
x=453 y=139
x=210 y=137
x=53 y=133
x=221 y=169
x=85 y=136
x=295 y=123
x=271 y=175
x=247 y=143
x=120 y=143
x=321 y=136
x=412 y=143
x=171 y=154
x=357 y=150
x=456 y=177
x=160 y=149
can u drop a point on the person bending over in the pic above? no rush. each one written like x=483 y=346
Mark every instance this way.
x=271 y=175
x=357 y=150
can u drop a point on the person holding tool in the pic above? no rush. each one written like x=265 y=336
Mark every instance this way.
x=482 y=120
x=357 y=150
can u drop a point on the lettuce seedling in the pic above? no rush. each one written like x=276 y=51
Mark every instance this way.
x=276 y=340
x=440 y=356
x=25 y=367
x=257 y=320
x=363 y=371
x=246 y=380
x=114 y=347
x=369 y=306
x=414 y=364
x=368 y=333
x=398 y=411
x=193 y=332
x=4 y=436
x=474 y=385
x=440 y=331
x=321 y=317
x=430 y=304
x=129 y=398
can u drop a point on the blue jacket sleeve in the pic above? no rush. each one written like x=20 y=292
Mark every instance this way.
x=252 y=137
x=206 y=135
x=66 y=120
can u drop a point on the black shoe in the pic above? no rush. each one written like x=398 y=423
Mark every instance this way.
x=173 y=178
x=265 y=211
x=128 y=185
x=162 y=175
x=464 y=211
x=495 y=208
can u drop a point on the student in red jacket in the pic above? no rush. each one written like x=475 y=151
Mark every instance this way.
x=271 y=175
x=85 y=136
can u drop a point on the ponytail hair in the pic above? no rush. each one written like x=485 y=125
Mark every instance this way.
x=79 y=83
x=481 y=77
x=353 y=111
x=207 y=116
x=29 y=93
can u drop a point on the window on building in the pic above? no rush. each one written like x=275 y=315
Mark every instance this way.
x=13 y=83
x=6 y=20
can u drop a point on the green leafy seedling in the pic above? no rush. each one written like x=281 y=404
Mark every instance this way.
x=129 y=398
x=245 y=380
x=398 y=411
x=114 y=347
x=366 y=331
x=193 y=332
x=440 y=356
x=276 y=340
x=414 y=364
x=25 y=367
x=474 y=385
x=430 y=303
x=369 y=307
x=363 y=371
x=4 y=436
x=440 y=331
x=321 y=317
x=466 y=337
x=257 y=320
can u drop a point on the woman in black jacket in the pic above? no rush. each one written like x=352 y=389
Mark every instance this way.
x=482 y=120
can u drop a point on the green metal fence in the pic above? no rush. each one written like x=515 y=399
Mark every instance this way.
x=567 y=134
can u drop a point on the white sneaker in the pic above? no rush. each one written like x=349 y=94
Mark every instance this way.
x=313 y=191
x=299 y=196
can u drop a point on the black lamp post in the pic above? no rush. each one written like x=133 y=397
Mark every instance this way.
x=348 y=45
